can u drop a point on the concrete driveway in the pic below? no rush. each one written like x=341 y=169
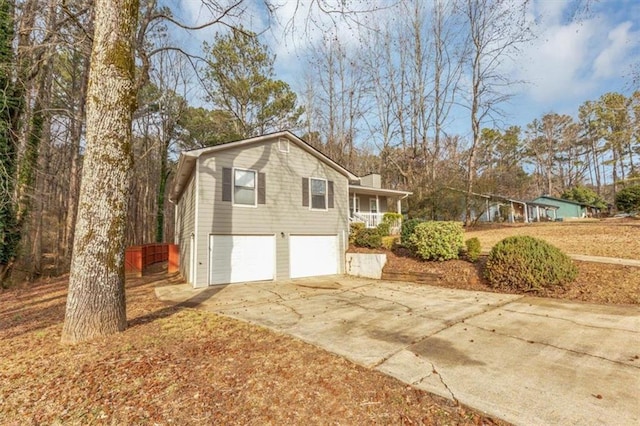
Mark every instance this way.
x=523 y=359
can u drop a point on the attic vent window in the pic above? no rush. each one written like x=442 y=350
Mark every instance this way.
x=283 y=145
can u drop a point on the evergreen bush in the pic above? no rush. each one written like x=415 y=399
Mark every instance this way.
x=628 y=199
x=354 y=229
x=528 y=264
x=407 y=230
x=390 y=241
x=368 y=237
x=437 y=240
x=473 y=249
x=384 y=229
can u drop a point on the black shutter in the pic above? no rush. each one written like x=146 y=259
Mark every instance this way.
x=226 y=184
x=262 y=188
x=330 y=193
x=305 y=192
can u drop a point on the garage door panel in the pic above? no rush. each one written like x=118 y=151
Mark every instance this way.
x=240 y=258
x=313 y=255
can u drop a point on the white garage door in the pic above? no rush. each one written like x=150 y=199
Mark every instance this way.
x=240 y=258
x=313 y=255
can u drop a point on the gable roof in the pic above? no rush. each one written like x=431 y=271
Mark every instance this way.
x=188 y=159
x=562 y=200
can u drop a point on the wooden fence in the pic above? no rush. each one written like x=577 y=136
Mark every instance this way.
x=137 y=258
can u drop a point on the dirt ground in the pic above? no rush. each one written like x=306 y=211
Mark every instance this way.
x=176 y=365
x=596 y=282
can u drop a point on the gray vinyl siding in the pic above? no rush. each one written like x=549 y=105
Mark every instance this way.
x=283 y=213
x=185 y=225
x=365 y=203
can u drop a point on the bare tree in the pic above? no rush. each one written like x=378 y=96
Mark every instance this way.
x=495 y=29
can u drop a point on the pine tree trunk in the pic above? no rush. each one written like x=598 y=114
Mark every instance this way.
x=96 y=300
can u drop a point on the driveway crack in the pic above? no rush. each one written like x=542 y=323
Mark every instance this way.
x=493 y=331
x=434 y=371
x=570 y=321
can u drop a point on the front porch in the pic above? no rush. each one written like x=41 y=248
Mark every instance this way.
x=368 y=204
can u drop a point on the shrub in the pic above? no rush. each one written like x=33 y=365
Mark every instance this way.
x=390 y=241
x=528 y=264
x=628 y=199
x=473 y=249
x=368 y=237
x=437 y=240
x=390 y=217
x=384 y=228
x=393 y=220
x=354 y=229
x=407 y=230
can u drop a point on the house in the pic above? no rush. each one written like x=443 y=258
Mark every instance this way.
x=539 y=212
x=266 y=208
x=567 y=209
x=499 y=208
x=495 y=208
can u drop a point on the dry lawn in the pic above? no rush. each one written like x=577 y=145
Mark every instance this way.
x=596 y=282
x=177 y=365
x=609 y=237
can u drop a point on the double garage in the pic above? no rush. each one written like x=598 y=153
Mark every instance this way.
x=244 y=258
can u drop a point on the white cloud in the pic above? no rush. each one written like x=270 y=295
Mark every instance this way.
x=574 y=59
x=553 y=64
x=615 y=55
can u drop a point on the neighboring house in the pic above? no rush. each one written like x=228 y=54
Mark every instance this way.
x=539 y=212
x=266 y=208
x=498 y=208
x=568 y=208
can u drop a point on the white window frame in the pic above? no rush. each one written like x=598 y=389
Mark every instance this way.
x=326 y=194
x=255 y=187
x=283 y=145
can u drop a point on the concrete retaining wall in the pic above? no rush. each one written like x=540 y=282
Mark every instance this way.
x=366 y=265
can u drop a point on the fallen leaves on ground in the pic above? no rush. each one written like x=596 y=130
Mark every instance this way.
x=177 y=365
x=596 y=282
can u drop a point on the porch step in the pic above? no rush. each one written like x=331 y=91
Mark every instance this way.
x=416 y=277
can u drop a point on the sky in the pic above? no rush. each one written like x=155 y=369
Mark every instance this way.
x=583 y=49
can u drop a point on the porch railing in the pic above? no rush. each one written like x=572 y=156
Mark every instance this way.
x=372 y=220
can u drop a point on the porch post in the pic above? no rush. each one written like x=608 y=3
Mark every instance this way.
x=399 y=206
x=354 y=205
